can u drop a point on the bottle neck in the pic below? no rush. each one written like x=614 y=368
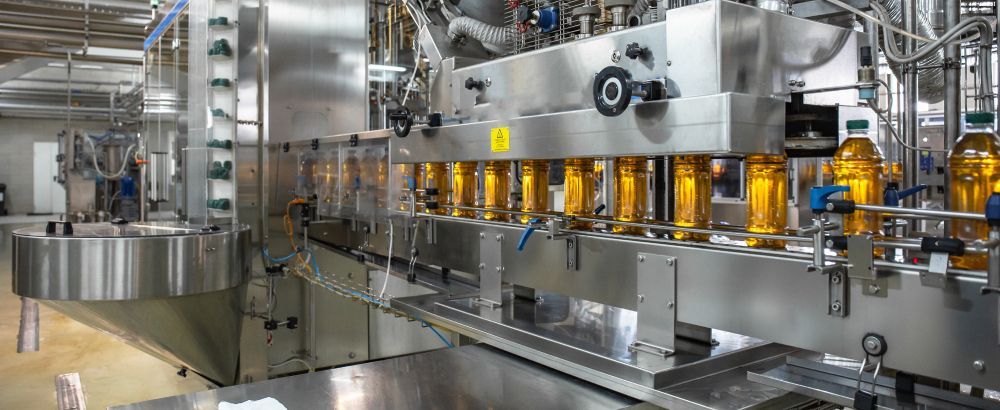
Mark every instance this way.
x=979 y=128
x=857 y=133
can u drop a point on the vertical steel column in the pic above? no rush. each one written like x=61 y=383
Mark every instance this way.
x=952 y=84
x=911 y=162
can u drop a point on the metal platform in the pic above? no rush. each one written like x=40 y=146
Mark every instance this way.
x=591 y=341
x=472 y=377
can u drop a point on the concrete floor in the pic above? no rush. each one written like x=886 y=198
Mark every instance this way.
x=112 y=372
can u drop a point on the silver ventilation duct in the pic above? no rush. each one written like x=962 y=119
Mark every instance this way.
x=930 y=80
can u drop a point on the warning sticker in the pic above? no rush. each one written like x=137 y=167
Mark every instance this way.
x=500 y=139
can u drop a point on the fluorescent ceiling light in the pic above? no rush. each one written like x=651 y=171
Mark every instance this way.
x=380 y=67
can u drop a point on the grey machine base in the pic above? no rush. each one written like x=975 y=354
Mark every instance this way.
x=471 y=377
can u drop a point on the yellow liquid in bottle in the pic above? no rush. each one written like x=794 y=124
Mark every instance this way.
x=631 y=190
x=975 y=170
x=350 y=179
x=382 y=182
x=858 y=164
x=464 y=186
x=496 y=182
x=534 y=187
x=692 y=195
x=767 y=198
x=436 y=174
x=579 y=195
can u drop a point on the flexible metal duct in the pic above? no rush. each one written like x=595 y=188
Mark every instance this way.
x=493 y=38
x=930 y=81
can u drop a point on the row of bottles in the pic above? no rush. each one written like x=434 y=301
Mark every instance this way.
x=767 y=192
x=974 y=164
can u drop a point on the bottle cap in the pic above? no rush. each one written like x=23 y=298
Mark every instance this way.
x=857 y=125
x=979 y=118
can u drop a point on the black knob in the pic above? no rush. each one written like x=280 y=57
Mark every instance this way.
x=612 y=91
x=633 y=51
x=401 y=121
x=293 y=322
x=472 y=84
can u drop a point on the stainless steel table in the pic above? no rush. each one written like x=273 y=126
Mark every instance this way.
x=468 y=377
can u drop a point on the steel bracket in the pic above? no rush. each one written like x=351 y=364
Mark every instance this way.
x=937 y=271
x=490 y=269
x=860 y=259
x=430 y=231
x=656 y=305
x=837 y=303
x=572 y=253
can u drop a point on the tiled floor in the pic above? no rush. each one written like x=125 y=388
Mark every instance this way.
x=111 y=371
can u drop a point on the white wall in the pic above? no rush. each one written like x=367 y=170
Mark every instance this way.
x=17 y=138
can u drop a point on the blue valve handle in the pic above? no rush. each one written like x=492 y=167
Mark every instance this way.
x=528 y=230
x=993 y=209
x=820 y=195
x=892 y=196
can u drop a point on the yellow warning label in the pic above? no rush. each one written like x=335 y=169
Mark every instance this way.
x=500 y=139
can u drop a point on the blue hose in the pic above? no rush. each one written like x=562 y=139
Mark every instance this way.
x=436 y=332
x=267 y=254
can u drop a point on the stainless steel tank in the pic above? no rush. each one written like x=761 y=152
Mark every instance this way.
x=174 y=291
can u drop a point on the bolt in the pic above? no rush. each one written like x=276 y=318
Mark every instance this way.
x=570 y=264
x=979 y=365
x=569 y=244
x=669 y=63
x=482 y=266
x=836 y=278
x=482 y=235
x=872 y=344
x=642 y=298
x=670 y=304
x=873 y=288
x=642 y=258
x=616 y=56
x=488 y=81
x=835 y=306
x=670 y=262
x=498 y=269
x=352 y=355
x=499 y=237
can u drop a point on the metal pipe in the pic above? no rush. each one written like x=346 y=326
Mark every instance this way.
x=911 y=163
x=88 y=58
x=90 y=33
x=914 y=212
x=952 y=92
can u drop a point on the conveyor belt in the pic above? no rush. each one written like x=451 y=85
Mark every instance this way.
x=471 y=377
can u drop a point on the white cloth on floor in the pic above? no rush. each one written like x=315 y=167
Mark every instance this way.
x=267 y=403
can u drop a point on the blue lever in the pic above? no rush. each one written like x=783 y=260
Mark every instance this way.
x=599 y=209
x=819 y=196
x=893 y=194
x=993 y=209
x=528 y=230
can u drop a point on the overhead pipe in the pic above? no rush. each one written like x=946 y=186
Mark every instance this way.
x=67 y=39
x=931 y=76
x=92 y=6
x=88 y=58
x=94 y=19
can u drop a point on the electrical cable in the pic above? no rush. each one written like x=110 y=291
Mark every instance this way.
x=878 y=21
x=293 y=360
x=388 y=263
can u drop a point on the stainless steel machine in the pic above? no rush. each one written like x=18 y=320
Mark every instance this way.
x=540 y=179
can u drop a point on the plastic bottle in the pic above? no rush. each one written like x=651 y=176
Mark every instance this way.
x=579 y=195
x=464 y=186
x=496 y=182
x=692 y=195
x=767 y=198
x=534 y=187
x=631 y=193
x=974 y=163
x=858 y=164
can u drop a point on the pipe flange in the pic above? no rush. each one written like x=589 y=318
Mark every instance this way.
x=618 y=3
x=586 y=11
x=612 y=91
